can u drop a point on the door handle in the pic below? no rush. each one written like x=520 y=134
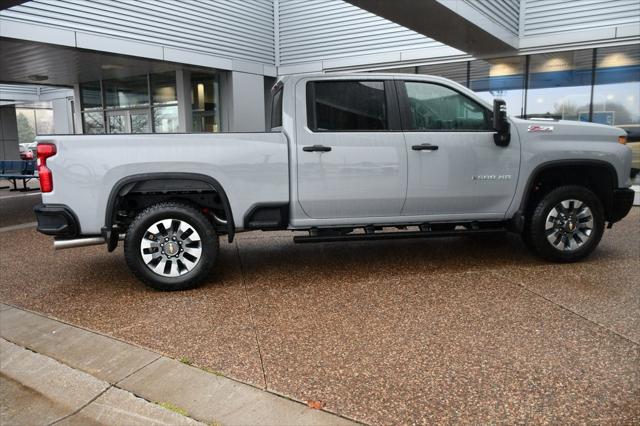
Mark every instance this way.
x=425 y=147
x=316 y=148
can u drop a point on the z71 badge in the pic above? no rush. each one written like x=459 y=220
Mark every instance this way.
x=538 y=128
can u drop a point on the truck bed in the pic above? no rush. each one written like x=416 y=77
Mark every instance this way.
x=251 y=167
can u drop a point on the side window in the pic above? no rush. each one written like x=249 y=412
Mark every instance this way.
x=334 y=106
x=276 y=108
x=436 y=107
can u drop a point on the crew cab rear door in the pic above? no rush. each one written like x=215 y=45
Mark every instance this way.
x=456 y=171
x=351 y=154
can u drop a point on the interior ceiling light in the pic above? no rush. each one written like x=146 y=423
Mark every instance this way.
x=111 y=67
x=38 y=77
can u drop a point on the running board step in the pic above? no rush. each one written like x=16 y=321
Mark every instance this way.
x=301 y=239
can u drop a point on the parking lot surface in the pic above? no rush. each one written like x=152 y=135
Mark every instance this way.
x=415 y=331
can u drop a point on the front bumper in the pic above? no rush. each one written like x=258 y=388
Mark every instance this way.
x=621 y=203
x=57 y=220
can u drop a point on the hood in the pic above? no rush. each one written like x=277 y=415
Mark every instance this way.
x=566 y=130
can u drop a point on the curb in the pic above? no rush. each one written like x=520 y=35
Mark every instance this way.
x=205 y=396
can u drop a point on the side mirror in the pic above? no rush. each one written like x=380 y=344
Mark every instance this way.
x=500 y=123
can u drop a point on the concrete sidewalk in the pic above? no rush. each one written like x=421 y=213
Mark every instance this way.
x=55 y=373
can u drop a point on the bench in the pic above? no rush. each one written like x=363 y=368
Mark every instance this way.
x=15 y=170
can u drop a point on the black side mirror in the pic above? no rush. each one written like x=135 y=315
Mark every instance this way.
x=500 y=123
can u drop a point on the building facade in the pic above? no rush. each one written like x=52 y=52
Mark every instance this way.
x=207 y=66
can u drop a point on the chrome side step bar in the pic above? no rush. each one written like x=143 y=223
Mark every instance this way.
x=80 y=242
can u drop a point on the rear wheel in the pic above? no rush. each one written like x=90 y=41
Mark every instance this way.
x=171 y=246
x=566 y=225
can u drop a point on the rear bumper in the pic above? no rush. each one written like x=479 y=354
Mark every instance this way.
x=622 y=203
x=57 y=220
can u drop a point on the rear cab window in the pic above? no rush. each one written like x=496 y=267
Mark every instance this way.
x=351 y=106
x=276 y=106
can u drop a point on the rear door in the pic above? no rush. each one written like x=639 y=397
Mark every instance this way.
x=351 y=154
x=454 y=166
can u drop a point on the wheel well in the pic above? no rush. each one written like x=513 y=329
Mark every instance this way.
x=600 y=178
x=133 y=194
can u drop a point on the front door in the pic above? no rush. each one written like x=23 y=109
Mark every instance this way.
x=351 y=154
x=455 y=168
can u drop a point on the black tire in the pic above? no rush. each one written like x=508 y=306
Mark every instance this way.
x=536 y=233
x=188 y=215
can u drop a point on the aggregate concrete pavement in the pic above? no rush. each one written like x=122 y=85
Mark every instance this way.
x=17 y=207
x=417 y=331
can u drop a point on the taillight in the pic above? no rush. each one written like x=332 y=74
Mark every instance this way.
x=45 y=150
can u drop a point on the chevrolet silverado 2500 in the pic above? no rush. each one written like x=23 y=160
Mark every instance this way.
x=348 y=157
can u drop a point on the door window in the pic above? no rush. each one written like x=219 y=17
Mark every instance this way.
x=335 y=106
x=433 y=107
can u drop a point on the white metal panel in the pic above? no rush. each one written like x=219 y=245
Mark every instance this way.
x=557 y=16
x=241 y=29
x=503 y=12
x=315 y=30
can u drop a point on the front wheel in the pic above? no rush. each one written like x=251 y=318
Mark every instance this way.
x=171 y=246
x=566 y=225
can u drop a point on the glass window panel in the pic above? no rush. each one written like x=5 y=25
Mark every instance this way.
x=26 y=125
x=44 y=121
x=133 y=91
x=117 y=123
x=435 y=107
x=501 y=78
x=165 y=119
x=139 y=122
x=163 y=88
x=91 y=96
x=348 y=105
x=616 y=96
x=205 y=101
x=456 y=71
x=560 y=85
x=93 y=122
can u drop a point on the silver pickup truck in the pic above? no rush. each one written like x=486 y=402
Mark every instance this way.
x=348 y=157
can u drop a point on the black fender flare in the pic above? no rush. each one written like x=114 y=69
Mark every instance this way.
x=560 y=163
x=126 y=184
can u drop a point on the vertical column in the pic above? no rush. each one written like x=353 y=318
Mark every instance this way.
x=61 y=119
x=247 y=106
x=183 y=91
x=77 y=109
x=8 y=133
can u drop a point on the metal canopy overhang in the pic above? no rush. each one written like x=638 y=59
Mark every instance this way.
x=6 y=4
x=439 y=20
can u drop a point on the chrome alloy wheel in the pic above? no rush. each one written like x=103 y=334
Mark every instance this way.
x=569 y=225
x=171 y=247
